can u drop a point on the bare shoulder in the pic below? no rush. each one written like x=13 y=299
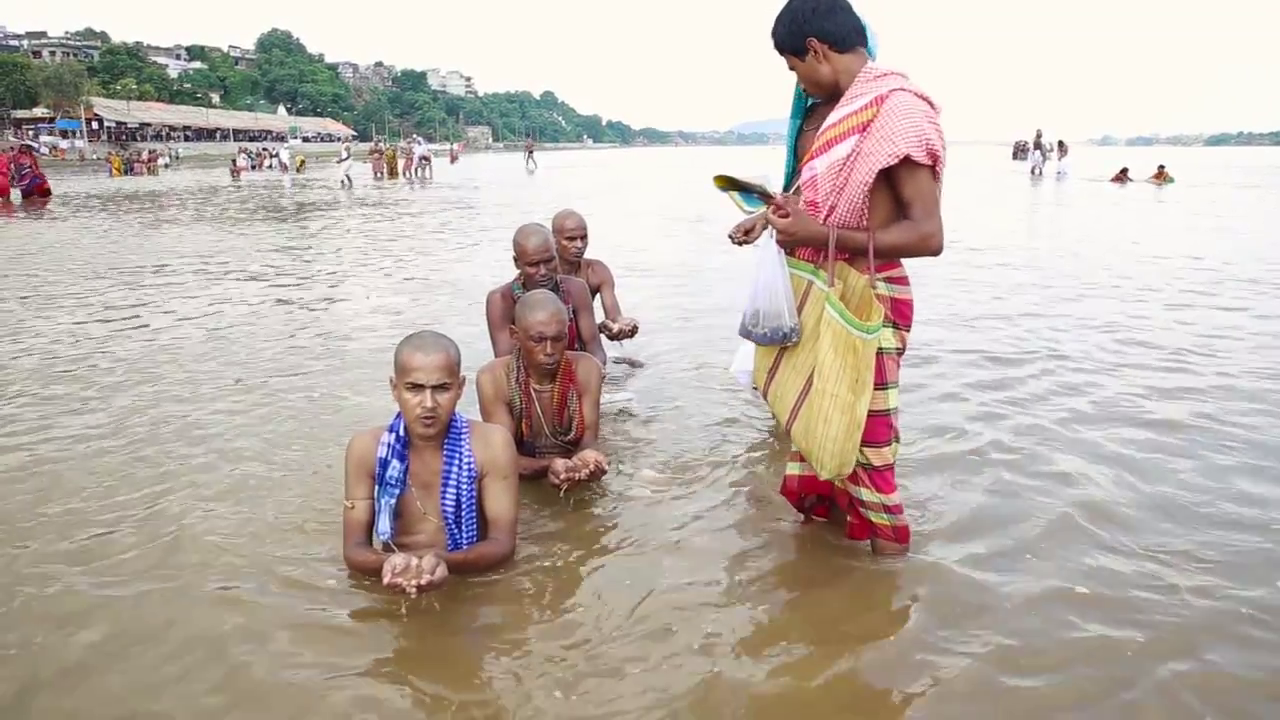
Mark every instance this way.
x=362 y=458
x=586 y=367
x=500 y=295
x=364 y=444
x=496 y=367
x=597 y=270
x=492 y=445
x=487 y=436
x=575 y=285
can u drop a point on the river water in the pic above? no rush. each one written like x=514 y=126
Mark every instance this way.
x=1090 y=446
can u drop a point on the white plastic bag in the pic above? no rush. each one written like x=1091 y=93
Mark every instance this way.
x=743 y=366
x=771 y=318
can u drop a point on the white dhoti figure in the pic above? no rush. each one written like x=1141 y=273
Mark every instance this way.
x=1037 y=162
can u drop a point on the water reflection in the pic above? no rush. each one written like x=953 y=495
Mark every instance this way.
x=1088 y=427
x=439 y=656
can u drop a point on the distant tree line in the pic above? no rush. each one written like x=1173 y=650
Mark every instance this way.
x=1216 y=140
x=286 y=73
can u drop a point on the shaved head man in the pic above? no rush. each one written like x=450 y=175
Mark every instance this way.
x=545 y=395
x=534 y=253
x=426 y=344
x=538 y=304
x=398 y=478
x=570 y=231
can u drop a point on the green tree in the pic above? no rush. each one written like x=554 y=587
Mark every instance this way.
x=61 y=86
x=289 y=74
x=240 y=89
x=1243 y=138
x=373 y=115
x=202 y=53
x=88 y=34
x=118 y=62
x=196 y=87
x=17 y=82
x=292 y=76
x=125 y=89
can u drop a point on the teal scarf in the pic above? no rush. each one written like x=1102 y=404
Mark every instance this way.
x=799 y=106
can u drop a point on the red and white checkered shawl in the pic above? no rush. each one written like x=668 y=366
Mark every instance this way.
x=882 y=120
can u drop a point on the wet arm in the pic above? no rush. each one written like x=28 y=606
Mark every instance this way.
x=500 y=499
x=609 y=294
x=358 y=551
x=590 y=380
x=498 y=316
x=491 y=389
x=917 y=234
x=588 y=330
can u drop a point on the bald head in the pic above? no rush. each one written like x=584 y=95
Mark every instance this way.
x=536 y=305
x=530 y=237
x=566 y=218
x=427 y=344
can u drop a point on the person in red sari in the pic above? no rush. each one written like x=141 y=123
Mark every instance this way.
x=4 y=174
x=870 y=155
x=30 y=180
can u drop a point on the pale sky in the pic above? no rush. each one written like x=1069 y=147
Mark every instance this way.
x=1090 y=66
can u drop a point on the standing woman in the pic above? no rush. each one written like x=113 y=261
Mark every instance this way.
x=32 y=182
x=4 y=175
x=870 y=178
x=378 y=159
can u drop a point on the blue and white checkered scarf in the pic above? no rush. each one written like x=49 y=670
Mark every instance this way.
x=459 y=480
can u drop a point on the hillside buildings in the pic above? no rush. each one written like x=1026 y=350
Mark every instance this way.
x=40 y=46
x=452 y=82
x=380 y=75
x=377 y=75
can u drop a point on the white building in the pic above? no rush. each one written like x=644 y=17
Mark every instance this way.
x=356 y=75
x=172 y=52
x=452 y=82
x=242 y=58
x=177 y=67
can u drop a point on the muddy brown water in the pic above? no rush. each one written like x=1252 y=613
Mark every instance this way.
x=1089 y=462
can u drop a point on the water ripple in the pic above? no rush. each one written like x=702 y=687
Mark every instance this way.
x=1090 y=443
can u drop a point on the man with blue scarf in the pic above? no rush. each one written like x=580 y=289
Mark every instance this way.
x=432 y=493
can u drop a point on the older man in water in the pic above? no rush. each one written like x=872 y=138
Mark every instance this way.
x=545 y=395
x=439 y=490
x=534 y=254
x=570 y=231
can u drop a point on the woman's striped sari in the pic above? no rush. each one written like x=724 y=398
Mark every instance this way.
x=889 y=122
